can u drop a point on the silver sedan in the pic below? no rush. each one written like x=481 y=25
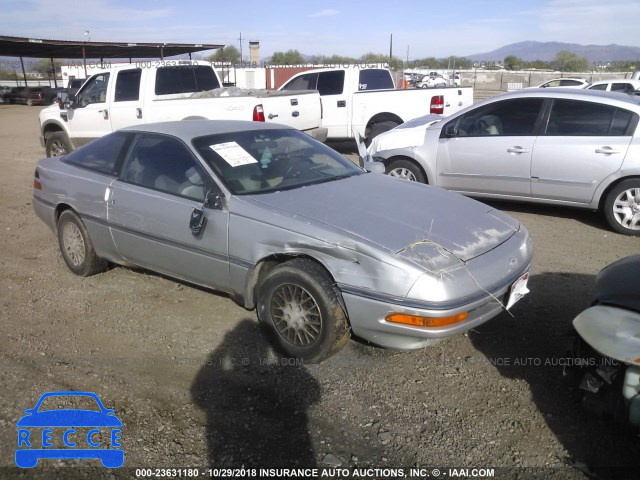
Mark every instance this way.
x=283 y=224
x=570 y=147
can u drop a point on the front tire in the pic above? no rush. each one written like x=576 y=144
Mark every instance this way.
x=76 y=247
x=57 y=145
x=405 y=169
x=622 y=207
x=299 y=305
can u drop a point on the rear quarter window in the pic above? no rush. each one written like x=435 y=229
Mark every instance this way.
x=375 y=80
x=577 y=118
x=101 y=155
x=185 y=79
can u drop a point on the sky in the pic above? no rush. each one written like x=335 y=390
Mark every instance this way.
x=347 y=27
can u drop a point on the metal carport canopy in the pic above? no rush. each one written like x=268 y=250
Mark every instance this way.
x=40 y=48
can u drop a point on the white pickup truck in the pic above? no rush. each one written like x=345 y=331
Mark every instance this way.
x=146 y=92
x=364 y=101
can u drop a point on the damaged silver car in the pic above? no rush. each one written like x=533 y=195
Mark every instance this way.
x=284 y=224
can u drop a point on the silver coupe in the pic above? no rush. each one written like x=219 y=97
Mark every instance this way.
x=283 y=224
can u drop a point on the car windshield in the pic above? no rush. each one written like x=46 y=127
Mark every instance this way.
x=66 y=402
x=261 y=161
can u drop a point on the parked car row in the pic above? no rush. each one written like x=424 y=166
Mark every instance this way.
x=618 y=85
x=30 y=95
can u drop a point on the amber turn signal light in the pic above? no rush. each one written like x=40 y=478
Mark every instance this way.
x=432 y=322
x=36 y=184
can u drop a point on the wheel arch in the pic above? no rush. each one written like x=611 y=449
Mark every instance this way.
x=388 y=161
x=382 y=117
x=611 y=186
x=51 y=126
x=265 y=265
x=62 y=207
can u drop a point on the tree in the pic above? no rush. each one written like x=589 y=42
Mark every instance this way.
x=511 y=62
x=290 y=57
x=9 y=75
x=227 y=54
x=43 y=67
x=570 y=62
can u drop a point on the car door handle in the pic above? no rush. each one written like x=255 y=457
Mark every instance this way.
x=105 y=113
x=517 y=150
x=138 y=113
x=607 y=150
x=342 y=103
x=272 y=115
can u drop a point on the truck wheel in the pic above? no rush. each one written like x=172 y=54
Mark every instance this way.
x=406 y=170
x=57 y=145
x=76 y=247
x=378 y=128
x=622 y=207
x=299 y=305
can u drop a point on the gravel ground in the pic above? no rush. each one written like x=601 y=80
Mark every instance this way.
x=196 y=384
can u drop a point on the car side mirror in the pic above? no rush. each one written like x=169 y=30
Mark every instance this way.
x=450 y=130
x=213 y=200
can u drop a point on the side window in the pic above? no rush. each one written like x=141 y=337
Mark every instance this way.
x=508 y=118
x=185 y=79
x=375 y=80
x=575 y=118
x=308 y=81
x=621 y=87
x=569 y=83
x=128 y=85
x=602 y=86
x=163 y=163
x=331 y=83
x=94 y=91
x=101 y=155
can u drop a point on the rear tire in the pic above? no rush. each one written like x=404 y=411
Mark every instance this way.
x=57 y=145
x=299 y=305
x=622 y=207
x=76 y=247
x=405 y=169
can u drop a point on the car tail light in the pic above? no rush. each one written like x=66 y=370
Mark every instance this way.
x=36 y=181
x=431 y=322
x=258 y=113
x=437 y=104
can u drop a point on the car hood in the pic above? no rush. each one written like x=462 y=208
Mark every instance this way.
x=422 y=223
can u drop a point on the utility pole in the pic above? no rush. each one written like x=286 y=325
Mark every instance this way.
x=390 y=49
x=240 y=47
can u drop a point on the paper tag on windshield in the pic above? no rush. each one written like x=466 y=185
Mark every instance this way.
x=233 y=154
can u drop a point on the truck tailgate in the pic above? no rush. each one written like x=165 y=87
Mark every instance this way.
x=300 y=109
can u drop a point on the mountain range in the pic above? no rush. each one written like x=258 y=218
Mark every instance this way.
x=530 y=51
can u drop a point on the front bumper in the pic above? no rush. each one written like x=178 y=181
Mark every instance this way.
x=496 y=271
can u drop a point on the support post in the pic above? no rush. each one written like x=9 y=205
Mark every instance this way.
x=53 y=69
x=24 y=74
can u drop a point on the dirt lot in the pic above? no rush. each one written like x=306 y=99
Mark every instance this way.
x=196 y=385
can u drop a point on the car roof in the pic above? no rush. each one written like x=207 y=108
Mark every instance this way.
x=613 y=98
x=616 y=80
x=567 y=78
x=190 y=129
